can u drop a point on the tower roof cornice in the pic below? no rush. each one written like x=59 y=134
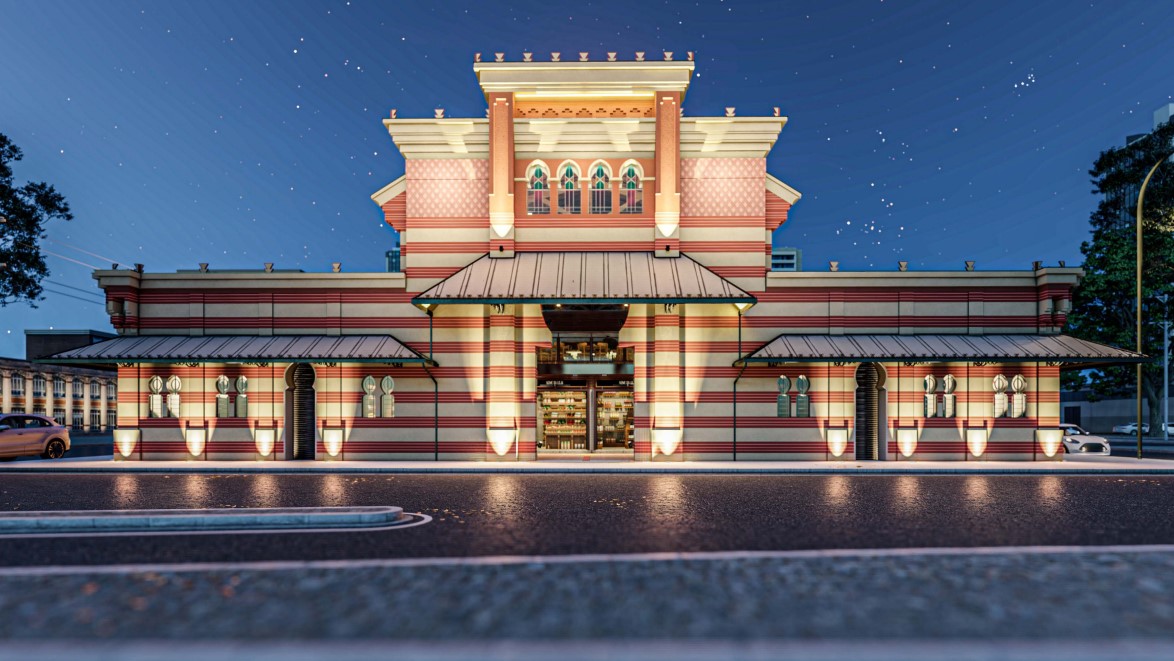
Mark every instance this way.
x=583 y=80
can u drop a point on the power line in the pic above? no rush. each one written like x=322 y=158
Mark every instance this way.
x=82 y=250
x=70 y=259
x=84 y=300
x=91 y=292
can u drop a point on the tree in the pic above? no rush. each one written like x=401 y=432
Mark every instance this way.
x=1104 y=304
x=24 y=212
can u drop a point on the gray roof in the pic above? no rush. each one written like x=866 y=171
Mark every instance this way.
x=585 y=277
x=243 y=348
x=975 y=348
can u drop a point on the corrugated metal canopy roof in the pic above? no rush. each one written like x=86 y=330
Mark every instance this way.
x=243 y=348
x=976 y=348
x=585 y=277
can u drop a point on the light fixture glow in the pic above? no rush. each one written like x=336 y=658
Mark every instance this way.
x=666 y=440
x=501 y=439
x=742 y=307
x=976 y=441
x=666 y=229
x=265 y=440
x=332 y=439
x=196 y=439
x=837 y=440
x=907 y=440
x=1049 y=440
x=502 y=230
x=126 y=440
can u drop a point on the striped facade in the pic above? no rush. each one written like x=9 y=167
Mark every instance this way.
x=704 y=192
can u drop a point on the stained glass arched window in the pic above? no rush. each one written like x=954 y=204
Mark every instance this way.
x=537 y=188
x=631 y=188
x=600 y=187
x=569 y=195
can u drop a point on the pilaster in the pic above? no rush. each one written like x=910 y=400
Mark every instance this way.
x=501 y=174
x=667 y=226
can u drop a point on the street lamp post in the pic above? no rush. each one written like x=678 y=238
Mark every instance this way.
x=1140 y=197
x=1165 y=367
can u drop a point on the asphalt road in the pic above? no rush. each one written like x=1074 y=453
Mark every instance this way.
x=476 y=515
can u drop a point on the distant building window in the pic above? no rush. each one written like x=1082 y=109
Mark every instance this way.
x=111 y=392
x=111 y=418
x=79 y=419
x=18 y=384
x=58 y=387
x=600 y=188
x=95 y=418
x=39 y=387
x=537 y=189
x=78 y=390
x=786 y=259
x=59 y=416
x=95 y=390
x=393 y=261
x=631 y=188
x=39 y=409
x=569 y=194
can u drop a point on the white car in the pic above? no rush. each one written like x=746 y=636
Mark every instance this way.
x=1078 y=441
x=1131 y=428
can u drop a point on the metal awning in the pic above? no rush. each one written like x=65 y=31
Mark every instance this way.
x=584 y=277
x=971 y=348
x=243 y=348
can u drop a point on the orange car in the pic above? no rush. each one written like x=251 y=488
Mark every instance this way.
x=22 y=434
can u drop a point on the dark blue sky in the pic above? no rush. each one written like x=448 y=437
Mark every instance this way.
x=243 y=132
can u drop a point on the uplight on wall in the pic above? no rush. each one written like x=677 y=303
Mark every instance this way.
x=837 y=440
x=196 y=439
x=265 y=439
x=1049 y=440
x=126 y=440
x=501 y=439
x=332 y=440
x=666 y=440
x=906 y=440
x=976 y=439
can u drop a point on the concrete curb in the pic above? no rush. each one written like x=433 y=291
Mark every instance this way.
x=285 y=518
x=1094 y=466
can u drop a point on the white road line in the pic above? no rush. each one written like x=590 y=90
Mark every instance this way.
x=420 y=519
x=498 y=560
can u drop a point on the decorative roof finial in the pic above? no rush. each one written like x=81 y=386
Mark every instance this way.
x=439 y=113
x=499 y=57
x=668 y=56
x=393 y=113
x=689 y=54
x=639 y=56
x=776 y=109
x=476 y=57
x=554 y=57
x=833 y=266
x=611 y=57
x=527 y=57
x=335 y=267
x=730 y=111
x=969 y=265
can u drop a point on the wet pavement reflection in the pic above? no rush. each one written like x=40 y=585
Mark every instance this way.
x=539 y=514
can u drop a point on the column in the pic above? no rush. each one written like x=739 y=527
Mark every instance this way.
x=501 y=384
x=103 y=423
x=501 y=174
x=667 y=233
x=6 y=391
x=665 y=393
x=28 y=392
x=87 y=403
x=69 y=402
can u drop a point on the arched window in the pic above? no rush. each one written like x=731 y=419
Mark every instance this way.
x=631 y=188
x=58 y=387
x=18 y=384
x=600 y=187
x=537 y=188
x=78 y=391
x=569 y=194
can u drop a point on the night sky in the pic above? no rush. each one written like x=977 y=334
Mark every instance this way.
x=238 y=133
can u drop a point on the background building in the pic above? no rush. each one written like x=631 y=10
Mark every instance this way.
x=83 y=398
x=786 y=259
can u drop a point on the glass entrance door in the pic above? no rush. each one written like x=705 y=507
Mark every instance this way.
x=613 y=420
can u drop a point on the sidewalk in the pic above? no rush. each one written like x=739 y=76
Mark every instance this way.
x=1072 y=466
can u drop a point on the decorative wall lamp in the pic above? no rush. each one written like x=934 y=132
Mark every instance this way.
x=976 y=439
x=837 y=439
x=907 y=440
x=666 y=440
x=265 y=440
x=1049 y=441
x=501 y=439
x=125 y=441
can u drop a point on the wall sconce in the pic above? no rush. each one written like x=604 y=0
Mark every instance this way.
x=196 y=440
x=1049 y=440
x=742 y=307
x=666 y=439
x=906 y=440
x=332 y=439
x=265 y=439
x=125 y=441
x=976 y=439
x=837 y=440
x=667 y=224
x=501 y=439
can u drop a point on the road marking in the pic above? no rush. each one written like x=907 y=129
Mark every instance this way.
x=498 y=560
x=418 y=519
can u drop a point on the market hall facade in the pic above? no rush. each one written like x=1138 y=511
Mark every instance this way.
x=586 y=274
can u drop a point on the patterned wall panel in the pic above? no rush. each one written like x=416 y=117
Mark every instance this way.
x=723 y=187
x=447 y=188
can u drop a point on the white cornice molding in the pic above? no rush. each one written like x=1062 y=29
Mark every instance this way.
x=440 y=138
x=390 y=191
x=729 y=137
x=567 y=80
x=781 y=190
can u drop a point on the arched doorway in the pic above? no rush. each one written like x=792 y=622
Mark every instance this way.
x=300 y=417
x=870 y=412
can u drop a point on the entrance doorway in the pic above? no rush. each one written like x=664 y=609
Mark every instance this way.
x=585 y=415
x=300 y=416
x=870 y=411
